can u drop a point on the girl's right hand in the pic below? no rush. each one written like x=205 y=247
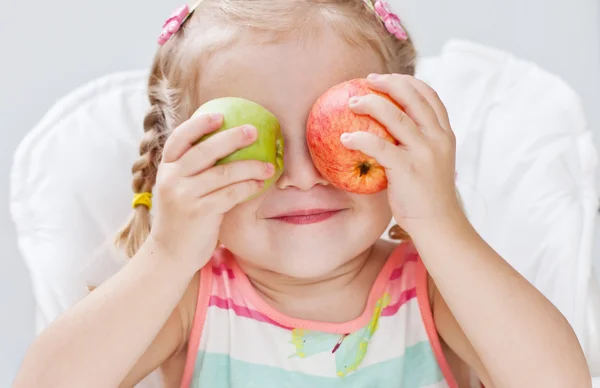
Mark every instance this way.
x=194 y=194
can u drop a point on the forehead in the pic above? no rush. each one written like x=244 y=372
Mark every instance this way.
x=286 y=77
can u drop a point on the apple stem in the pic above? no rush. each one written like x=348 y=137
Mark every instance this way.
x=364 y=168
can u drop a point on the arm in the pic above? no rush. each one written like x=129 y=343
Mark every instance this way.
x=170 y=342
x=512 y=334
x=99 y=341
x=454 y=342
x=491 y=317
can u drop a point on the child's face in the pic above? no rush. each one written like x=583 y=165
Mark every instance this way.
x=287 y=78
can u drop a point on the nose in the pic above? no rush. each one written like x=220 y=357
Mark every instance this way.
x=299 y=170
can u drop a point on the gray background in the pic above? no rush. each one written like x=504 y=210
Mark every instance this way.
x=50 y=48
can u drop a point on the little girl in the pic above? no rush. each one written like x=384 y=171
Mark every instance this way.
x=294 y=288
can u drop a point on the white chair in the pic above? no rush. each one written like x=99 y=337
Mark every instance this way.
x=526 y=165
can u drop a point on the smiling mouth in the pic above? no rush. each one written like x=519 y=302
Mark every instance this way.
x=305 y=217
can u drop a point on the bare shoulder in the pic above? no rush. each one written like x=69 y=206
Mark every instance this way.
x=459 y=352
x=187 y=306
x=168 y=349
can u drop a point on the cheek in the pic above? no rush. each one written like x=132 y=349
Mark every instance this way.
x=372 y=216
x=237 y=225
x=375 y=206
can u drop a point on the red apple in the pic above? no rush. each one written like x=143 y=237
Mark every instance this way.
x=329 y=118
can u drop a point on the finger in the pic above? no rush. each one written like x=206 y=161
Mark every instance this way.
x=407 y=96
x=227 y=174
x=206 y=153
x=386 y=153
x=398 y=124
x=225 y=199
x=434 y=100
x=188 y=133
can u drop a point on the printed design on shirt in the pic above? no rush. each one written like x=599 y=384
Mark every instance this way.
x=348 y=349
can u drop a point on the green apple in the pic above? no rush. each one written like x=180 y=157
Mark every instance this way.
x=268 y=146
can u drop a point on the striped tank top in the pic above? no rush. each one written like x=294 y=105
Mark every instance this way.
x=238 y=340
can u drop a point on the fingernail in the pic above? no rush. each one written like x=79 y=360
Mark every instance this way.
x=346 y=138
x=354 y=100
x=373 y=77
x=213 y=117
x=248 y=131
x=269 y=168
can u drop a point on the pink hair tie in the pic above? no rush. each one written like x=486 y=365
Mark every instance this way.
x=390 y=19
x=173 y=24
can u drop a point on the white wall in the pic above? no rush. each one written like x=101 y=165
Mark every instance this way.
x=63 y=43
x=561 y=36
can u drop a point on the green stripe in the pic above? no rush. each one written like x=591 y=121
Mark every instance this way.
x=417 y=368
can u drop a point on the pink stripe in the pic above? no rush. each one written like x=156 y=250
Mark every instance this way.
x=228 y=287
x=404 y=298
x=218 y=271
x=427 y=316
x=206 y=280
x=242 y=311
x=397 y=273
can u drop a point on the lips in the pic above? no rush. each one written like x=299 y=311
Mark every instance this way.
x=306 y=216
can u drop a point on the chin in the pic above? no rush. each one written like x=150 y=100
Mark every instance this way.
x=306 y=255
x=314 y=261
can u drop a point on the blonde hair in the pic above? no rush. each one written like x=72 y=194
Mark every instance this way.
x=215 y=25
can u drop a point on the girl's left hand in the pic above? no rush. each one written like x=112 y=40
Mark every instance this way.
x=421 y=170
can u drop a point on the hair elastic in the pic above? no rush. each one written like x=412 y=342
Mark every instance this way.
x=143 y=199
